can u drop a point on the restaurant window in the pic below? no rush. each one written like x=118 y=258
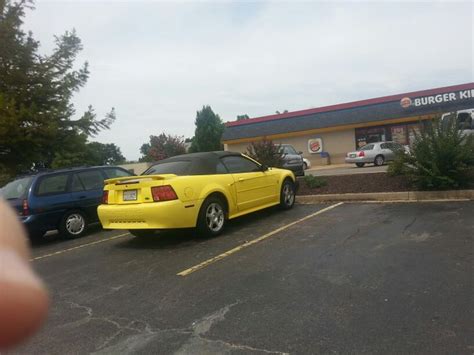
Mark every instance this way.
x=370 y=135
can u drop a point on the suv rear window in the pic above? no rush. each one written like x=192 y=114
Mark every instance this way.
x=53 y=184
x=91 y=179
x=16 y=189
x=115 y=172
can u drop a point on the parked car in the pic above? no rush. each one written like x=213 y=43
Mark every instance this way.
x=375 y=153
x=200 y=190
x=66 y=199
x=292 y=159
x=306 y=164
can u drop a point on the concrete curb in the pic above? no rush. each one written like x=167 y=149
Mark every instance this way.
x=465 y=195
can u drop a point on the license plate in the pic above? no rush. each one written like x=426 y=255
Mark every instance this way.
x=130 y=195
x=353 y=155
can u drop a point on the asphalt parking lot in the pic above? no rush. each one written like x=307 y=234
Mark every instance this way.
x=354 y=278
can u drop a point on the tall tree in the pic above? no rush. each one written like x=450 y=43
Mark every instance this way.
x=209 y=129
x=161 y=147
x=37 y=118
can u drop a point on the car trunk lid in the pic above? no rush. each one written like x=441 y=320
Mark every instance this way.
x=135 y=189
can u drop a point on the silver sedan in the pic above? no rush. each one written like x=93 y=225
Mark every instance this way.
x=374 y=153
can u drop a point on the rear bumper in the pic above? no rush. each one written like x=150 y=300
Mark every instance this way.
x=359 y=160
x=153 y=215
x=38 y=223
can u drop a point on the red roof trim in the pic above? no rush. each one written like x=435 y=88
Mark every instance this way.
x=352 y=104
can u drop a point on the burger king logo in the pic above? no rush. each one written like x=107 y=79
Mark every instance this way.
x=405 y=102
x=315 y=145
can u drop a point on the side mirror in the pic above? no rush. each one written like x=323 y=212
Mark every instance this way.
x=300 y=153
x=264 y=167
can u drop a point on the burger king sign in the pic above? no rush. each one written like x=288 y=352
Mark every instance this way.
x=315 y=145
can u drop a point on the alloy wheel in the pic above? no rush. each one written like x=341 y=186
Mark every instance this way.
x=215 y=217
x=288 y=194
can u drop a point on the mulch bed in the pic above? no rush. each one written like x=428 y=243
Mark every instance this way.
x=372 y=182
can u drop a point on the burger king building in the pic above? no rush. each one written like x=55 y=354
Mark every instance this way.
x=326 y=134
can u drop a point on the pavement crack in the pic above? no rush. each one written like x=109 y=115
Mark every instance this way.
x=198 y=344
x=351 y=236
x=204 y=325
x=409 y=225
x=245 y=347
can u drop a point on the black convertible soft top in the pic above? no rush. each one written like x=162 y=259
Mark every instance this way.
x=205 y=163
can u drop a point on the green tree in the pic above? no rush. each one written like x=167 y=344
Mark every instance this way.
x=161 y=147
x=242 y=117
x=208 y=132
x=441 y=157
x=266 y=152
x=37 y=125
x=94 y=153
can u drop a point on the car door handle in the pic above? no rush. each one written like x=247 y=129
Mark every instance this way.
x=242 y=179
x=82 y=197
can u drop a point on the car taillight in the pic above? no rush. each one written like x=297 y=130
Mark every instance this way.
x=105 y=197
x=163 y=193
x=361 y=153
x=26 y=208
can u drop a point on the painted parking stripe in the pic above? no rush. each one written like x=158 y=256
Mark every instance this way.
x=252 y=242
x=79 y=247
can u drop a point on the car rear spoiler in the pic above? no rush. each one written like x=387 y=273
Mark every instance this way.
x=135 y=179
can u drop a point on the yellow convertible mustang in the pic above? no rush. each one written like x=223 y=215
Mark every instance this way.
x=200 y=190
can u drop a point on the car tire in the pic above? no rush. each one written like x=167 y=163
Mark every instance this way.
x=305 y=166
x=212 y=217
x=73 y=224
x=379 y=160
x=287 y=194
x=360 y=165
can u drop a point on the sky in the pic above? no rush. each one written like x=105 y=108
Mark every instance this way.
x=158 y=62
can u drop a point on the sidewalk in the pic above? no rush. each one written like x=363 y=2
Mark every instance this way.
x=408 y=196
x=331 y=166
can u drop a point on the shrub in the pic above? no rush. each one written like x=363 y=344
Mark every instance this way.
x=266 y=152
x=314 y=181
x=442 y=157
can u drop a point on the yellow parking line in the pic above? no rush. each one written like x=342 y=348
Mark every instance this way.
x=252 y=242
x=80 y=246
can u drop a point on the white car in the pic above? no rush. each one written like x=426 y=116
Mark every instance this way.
x=375 y=153
x=306 y=164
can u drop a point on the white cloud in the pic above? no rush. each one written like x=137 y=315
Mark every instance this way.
x=159 y=62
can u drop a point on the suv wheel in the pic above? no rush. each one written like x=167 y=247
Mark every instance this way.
x=73 y=224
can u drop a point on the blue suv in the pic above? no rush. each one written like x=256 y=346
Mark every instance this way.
x=66 y=199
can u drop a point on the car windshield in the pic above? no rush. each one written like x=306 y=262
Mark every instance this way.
x=16 y=189
x=288 y=149
x=171 y=167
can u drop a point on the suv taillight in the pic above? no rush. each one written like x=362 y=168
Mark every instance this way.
x=361 y=153
x=25 y=208
x=105 y=197
x=163 y=193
